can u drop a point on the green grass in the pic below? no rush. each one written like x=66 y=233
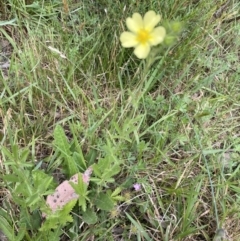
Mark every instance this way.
x=176 y=132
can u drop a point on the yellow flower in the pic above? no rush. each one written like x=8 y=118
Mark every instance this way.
x=143 y=33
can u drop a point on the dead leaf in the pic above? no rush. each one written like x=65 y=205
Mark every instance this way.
x=64 y=193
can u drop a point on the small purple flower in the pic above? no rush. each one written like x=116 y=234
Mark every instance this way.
x=137 y=187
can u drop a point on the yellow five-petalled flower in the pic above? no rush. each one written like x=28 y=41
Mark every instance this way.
x=143 y=33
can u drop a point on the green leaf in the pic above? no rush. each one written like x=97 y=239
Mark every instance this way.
x=64 y=213
x=81 y=190
x=103 y=164
x=21 y=233
x=33 y=199
x=35 y=219
x=15 y=151
x=104 y=202
x=24 y=189
x=89 y=217
x=82 y=203
x=7 y=153
x=91 y=157
x=60 y=140
x=139 y=227
x=7 y=229
x=21 y=173
x=97 y=170
x=81 y=186
x=41 y=181
x=79 y=159
x=108 y=173
x=118 y=198
x=105 y=170
x=5 y=214
x=24 y=153
x=96 y=180
x=59 y=218
x=116 y=191
x=115 y=195
x=11 y=178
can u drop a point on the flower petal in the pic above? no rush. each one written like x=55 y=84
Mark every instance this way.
x=158 y=35
x=142 y=51
x=137 y=186
x=135 y=23
x=128 y=40
x=150 y=20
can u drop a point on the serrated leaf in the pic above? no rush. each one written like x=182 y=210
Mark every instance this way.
x=23 y=174
x=119 y=198
x=89 y=217
x=60 y=217
x=96 y=180
x=103 y=163
x=97 y=170
x=64 y=213
x=41 y=181
x=61 y=141
x=104 y=202
x=81 y=192
x=24 y=189
x=116 y=191
x=108 y=173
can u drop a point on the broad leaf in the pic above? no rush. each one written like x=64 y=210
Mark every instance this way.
x=104 y=202
x=89 y=217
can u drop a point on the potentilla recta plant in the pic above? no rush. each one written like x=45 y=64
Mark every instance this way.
x=144 y=36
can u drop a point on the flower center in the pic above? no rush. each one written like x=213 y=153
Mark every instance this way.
x=143 y=36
